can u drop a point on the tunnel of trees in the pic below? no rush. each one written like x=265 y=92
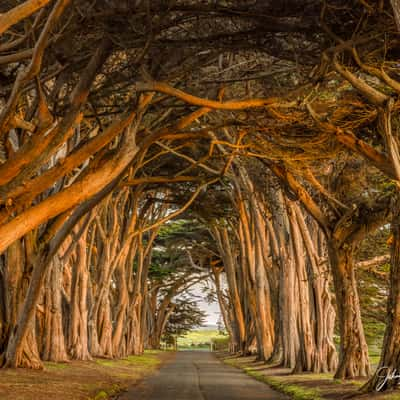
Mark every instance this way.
x=146 y=146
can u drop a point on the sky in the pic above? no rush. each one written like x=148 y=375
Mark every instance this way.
x=212 y=309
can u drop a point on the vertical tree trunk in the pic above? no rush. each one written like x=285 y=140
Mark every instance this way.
x=389 y=362
x=24 y=353
x=317 y=352
x=226 y=253
x=41 y=262
x=264 y=307
x=353 y=357
x=396 y=11
x=224 y=306
x=3 y=307
x=288 y=303
x=264 y=302
x=121 y=307
x=153 y=341
x=54 y=348
x=105 y=329
x=322 y=310
x=306 y=351
x=78 y=335
x=273 y=264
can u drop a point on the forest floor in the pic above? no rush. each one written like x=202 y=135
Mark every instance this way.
x=306 y=386
x=99 y=379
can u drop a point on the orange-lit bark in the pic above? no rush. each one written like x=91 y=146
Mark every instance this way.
x=20 y=12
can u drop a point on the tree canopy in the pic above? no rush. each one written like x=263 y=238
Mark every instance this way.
x=147 y=145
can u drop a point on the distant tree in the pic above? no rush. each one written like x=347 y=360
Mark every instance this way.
x=220 y=325
x=185 y=317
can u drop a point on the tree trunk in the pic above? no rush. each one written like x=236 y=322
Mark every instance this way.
x=396 y=11
x=306 y=350
x=353 y=356
x=288 y=288
x=121 y=307
x=224 y=306
x=54 y=348
x=389 y=362
x=20 y=353
x=263 y=292
x=78 y=335
x=317 y=350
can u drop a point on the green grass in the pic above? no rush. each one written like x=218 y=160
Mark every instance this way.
x=147 y=360
x=199 y=339
x=99 y=379
x=107 y=393
x=48 y=365
x=296 y=391
x=392 y=397
x=302 y=387
x=374 y=359
x=101 y=395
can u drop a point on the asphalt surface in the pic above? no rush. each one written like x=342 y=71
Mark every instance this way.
x=195 y=375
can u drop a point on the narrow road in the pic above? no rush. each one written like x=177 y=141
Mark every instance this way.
x=198 y=375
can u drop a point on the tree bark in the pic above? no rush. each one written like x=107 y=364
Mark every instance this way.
x=16 y=271
x=353 y=358
x=320 y=355
x=78 y=335
x=226 y=253
x=54 y=348
x=389 y=362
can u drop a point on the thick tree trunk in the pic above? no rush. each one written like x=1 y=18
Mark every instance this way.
x=353 y=356
x=317 y=317
x=41 y=263
x=289 y=312
x=306 y=350
x=122 y=306
x=273 y=273
x=105 y=329
x=78 y=335
x=224 y=307
x=54 y=348
x=263 y=300
x=226 y=253
x=288 y=287
x=396 y=11
x=27 y=354
x=20 y=353
x=137 y=306
x=245 y=281
x=3 y=307
x=389 y=362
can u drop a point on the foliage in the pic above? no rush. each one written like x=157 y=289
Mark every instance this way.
x=185 y=317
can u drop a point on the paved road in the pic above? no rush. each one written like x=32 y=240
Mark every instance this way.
x=195 y=375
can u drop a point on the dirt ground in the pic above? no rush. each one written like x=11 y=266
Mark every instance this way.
x=79 y=380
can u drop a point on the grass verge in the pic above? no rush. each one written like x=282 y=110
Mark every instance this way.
x=297 y=392
x=306 y=386
x=79 y=380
